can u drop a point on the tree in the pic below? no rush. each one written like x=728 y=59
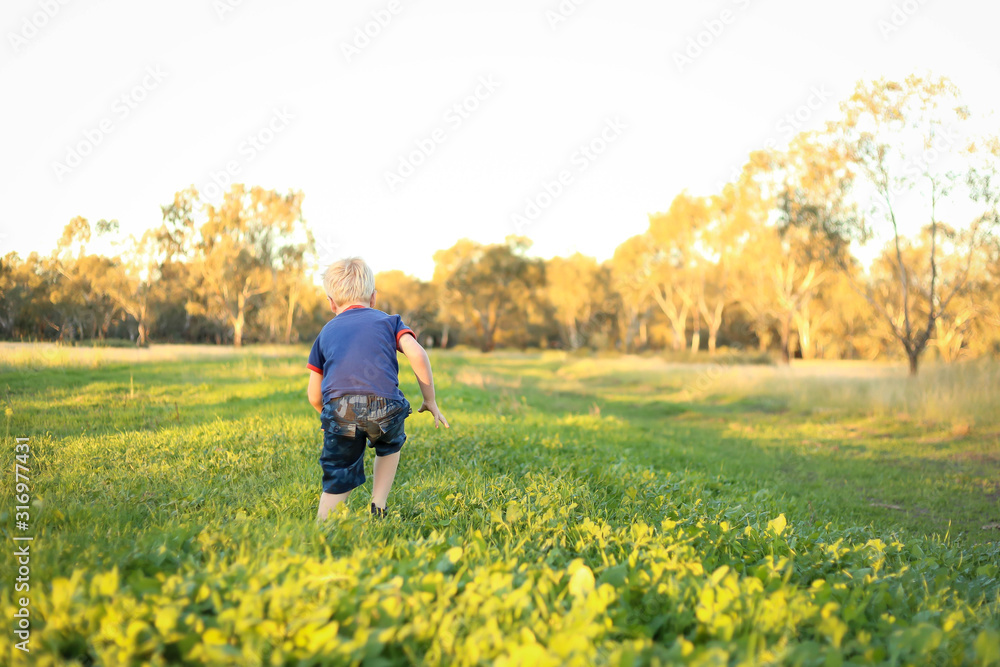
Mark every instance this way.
x=844 y=327
x=630 y=279
x=132 y=276
x=953 y=330
x=449 y=299
x=26 y=306
x=734 y=216
x=985 y=338
x=574 y=288
x=292 y=286
x=754 y=293
x=82 y=306
x=796 y=278
x=901 y=139
x=807 y=189
x=239 y=249
x=984 y=182
x=493 y=283
x=674 y=275
x=171 y=300
x=414 y=300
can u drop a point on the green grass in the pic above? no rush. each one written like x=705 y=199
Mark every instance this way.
x=863 y=442
x=580 y=511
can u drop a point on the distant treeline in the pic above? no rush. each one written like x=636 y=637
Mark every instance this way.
x=764 y=264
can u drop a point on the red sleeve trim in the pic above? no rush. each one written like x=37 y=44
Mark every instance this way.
x=401 y=334
x=314 y=369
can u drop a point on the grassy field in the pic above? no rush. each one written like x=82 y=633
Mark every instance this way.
x=580 y=511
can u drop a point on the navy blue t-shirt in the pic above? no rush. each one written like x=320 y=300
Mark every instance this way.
x=356 y=354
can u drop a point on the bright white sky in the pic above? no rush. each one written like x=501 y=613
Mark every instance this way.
x=223 y=76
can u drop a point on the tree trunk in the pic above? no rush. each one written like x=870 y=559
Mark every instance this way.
x=290 y=318
x=143 y=334
x=574 y=335
x=488 y=343
x=696 y=333
x=677 y=316
x=106 y=324
x=806 y=326
x=786 y=335
x=714 y=324
x=626 y=325
x=444 y=336
x=805 y=339
x=238 y=330
x=914 y=358
x=239 y=321
x=713 y=333
x=678 y=325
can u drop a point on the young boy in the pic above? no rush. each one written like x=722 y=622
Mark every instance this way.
x=354 y=385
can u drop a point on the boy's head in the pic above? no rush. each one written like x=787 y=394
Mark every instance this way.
x=349 y=281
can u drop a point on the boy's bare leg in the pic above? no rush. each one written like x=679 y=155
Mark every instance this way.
x=328 y=501
x=385 y=472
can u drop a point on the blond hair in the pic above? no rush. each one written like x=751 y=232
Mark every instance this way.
x=349 y=280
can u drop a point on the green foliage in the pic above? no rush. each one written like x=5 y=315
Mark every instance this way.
x=174 y=522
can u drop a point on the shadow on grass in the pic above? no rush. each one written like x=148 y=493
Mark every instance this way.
x=879 y=476
x=148 y=396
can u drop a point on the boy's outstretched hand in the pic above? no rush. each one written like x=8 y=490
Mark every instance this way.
x=417 y=357
x=432 y=408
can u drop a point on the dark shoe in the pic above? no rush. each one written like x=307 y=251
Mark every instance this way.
x=378 y=511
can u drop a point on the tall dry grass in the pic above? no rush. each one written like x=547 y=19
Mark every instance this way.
x=962 y=392
x=53 y=355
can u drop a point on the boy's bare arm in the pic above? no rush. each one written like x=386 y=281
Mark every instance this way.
x=421 y=365
x=315 y=391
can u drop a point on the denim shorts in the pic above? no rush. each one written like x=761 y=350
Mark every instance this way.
x=349 y=424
